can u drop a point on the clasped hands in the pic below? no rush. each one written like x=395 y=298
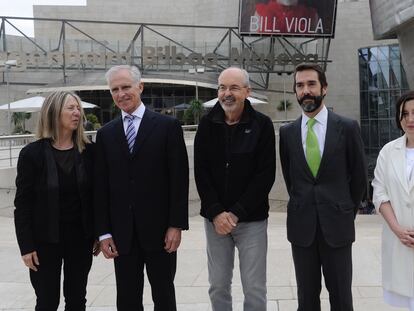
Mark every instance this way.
x=225 y=222
x=406 y=236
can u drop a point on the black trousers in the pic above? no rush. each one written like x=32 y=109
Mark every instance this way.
x=74 y=251
x=336 y=264
x=129 y=273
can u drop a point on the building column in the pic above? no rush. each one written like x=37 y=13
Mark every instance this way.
x=406 y=39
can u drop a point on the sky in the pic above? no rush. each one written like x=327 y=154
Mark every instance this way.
x=24 y=8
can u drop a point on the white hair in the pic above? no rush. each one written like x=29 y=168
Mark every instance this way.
x=134 y=72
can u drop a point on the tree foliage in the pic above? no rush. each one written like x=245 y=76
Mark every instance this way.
x=281 y=105
x=19 y=119
x=193 y=114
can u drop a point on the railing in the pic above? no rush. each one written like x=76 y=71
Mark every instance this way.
x=11 y=145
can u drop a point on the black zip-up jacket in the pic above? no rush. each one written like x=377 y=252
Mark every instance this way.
x=235 y=165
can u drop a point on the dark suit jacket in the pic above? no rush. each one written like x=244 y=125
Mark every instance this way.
x=37 y=194
x=148 y=189
x=332 y=198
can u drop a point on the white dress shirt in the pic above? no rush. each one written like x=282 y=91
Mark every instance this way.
x=319 y=128
x=409 y=155
x=138 y=113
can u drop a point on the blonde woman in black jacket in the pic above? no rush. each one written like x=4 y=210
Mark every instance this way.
x=53 y=215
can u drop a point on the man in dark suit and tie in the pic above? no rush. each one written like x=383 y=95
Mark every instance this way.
x=141 y=194
x=324 y=167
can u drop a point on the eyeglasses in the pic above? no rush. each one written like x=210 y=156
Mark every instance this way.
x=231 y=88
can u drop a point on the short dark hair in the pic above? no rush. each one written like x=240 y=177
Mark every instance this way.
x=310 y=66
x=400 y=104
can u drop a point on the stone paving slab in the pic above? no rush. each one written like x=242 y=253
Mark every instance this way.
x=192 y=279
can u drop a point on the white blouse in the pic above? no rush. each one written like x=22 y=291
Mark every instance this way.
x=409 y=155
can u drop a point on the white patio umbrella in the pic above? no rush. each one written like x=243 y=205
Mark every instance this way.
x=86 y=105
x=33 y=104
x=30 y=104
x=253 y=101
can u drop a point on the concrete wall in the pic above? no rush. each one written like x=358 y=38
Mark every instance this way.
x=278 y=195
x=187 y=12
x=395 y=19
x=388 y=17
x=353 y=31
x=8 y=177
x=406 y=39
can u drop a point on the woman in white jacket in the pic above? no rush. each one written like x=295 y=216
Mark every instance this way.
x=394 y=200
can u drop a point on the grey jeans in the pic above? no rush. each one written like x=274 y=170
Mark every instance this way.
x=250 y=238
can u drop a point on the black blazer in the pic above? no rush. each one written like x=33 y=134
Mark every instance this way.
x=332 y=198
x=146 y=191
x=36 y=215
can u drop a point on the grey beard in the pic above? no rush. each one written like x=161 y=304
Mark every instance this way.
x=311 y=107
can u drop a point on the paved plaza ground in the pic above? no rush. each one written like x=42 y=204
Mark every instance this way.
x=191 y=279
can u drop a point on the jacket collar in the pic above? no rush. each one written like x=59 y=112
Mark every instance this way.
x=400 y=143
x=217 y=115
x=399 y=162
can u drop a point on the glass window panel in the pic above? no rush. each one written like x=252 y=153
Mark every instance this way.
x=168 y=91
x=372 y=77
x=372 y=54
x=395 y=52
x=364 y=105
x=404 y=83
x=365 y=132
x=384 y=75
x=384 y=132
x=395 y=74
x=373 y=105
x=383 y=53
x=395 y=131
x=180 y=100
x=373 y=134
x=383 y=105
x=363 y=76
x=382 y=81
x=363 y=54
x=394 y=95
x=372 y=161
x=179 y=91
x=168 y=101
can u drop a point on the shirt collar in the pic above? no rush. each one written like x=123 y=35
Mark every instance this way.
x=321 y=117
x=139 y=112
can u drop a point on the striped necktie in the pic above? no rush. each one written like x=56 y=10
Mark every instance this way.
x=313 y=155
x=130 y=133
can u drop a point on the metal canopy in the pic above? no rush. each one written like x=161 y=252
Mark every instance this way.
x=262 y=56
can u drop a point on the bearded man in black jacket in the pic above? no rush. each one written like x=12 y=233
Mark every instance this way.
x=234 y=164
